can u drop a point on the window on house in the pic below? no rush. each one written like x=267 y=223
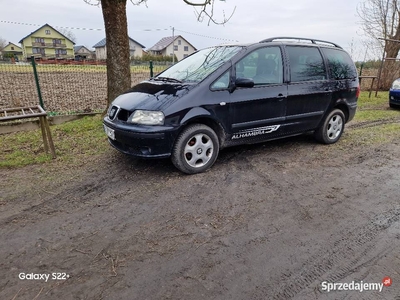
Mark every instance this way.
x=179 y=42
x=38 y=51
x=56 y=41
x=61 y=51
x=12 y=48
x=47 y=31
x=39 y=40
x=175 y=48
x=185 y=55
x=186 y=48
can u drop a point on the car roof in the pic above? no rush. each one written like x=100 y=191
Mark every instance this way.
x=287 y=40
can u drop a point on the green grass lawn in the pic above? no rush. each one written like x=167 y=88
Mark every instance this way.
x=78 y=140
x=73 y=141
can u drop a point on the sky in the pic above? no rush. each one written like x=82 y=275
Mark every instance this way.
x=253 y=20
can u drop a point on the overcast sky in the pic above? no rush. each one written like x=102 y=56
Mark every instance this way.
x=254 y=20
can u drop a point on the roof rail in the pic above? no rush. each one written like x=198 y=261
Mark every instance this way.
x=314 y=41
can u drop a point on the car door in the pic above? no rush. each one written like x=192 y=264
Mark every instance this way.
x=258 y=112
x=309 y=91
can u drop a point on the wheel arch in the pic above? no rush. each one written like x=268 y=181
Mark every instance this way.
x=343 y=107
x=199 y=115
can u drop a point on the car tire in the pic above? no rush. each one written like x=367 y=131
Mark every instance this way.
x=195 y=149
x=393 y=106
x=332 y=127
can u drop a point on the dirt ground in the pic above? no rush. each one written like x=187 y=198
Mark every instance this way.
x=268 y=221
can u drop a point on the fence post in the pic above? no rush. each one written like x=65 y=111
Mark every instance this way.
x=151 y=69
x=37 y=82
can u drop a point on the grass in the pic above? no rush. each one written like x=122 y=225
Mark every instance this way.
x=73 y=142
x=374 y=108
x=79 y=140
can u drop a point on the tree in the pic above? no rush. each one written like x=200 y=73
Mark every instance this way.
x=3 y=43
x=380 y=22
x=68 y=33
x=116 y=27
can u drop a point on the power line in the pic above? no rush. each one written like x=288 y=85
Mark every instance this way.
x=100 y=29
x=206 y=36
x=31 y=24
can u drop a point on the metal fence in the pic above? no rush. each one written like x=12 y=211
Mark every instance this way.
x=66 y=87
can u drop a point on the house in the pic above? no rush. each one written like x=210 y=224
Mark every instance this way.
x=12 y=50
x=171 y=45
x=81 y=53
x=47 y=42
x=135 y=49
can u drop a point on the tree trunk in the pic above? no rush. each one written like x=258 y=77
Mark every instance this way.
x=117 y=45
x=390 y=70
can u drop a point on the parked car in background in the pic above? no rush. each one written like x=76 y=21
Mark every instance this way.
x=394 y=94
x=238 y=94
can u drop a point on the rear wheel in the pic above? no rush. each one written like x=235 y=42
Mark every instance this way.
x=195 y=149
x=332 y=127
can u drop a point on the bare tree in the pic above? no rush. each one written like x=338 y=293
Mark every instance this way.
x=380 y=22
x=68 y=33
x=116 y=27
x=3 y=43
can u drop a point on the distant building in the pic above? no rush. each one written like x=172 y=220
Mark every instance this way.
x=81 y=52
x=12 y=50
x=135 y=49
x=47 y=42
x=170 y=45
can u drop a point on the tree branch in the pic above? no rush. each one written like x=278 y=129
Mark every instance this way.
x=205 y=3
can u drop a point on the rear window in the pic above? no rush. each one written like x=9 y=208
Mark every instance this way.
x=340 y=64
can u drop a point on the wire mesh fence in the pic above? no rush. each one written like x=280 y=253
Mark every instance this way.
x=66 y=87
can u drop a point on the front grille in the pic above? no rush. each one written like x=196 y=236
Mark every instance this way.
x=113 y=112
x=123 y=114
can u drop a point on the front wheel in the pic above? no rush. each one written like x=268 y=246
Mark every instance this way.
x=332 y=127
x=195 y=149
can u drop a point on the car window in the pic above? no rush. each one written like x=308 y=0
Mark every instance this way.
x=340 y=64
x=222 y=82
x=306 y=64
x=201 y=64
x=396 y=84
x=263 y=65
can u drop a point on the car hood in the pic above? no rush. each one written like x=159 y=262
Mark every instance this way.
x=152 y=95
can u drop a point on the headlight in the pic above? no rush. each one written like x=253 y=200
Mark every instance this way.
x=147 y=117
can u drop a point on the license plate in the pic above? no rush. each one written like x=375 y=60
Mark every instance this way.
x=110 y=132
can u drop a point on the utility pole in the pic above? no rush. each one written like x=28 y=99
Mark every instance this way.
x=173 y=45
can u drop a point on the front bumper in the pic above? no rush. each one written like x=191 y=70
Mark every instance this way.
x=141 y=140
x=394 y=97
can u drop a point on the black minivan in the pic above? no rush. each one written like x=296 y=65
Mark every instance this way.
x=236 y=94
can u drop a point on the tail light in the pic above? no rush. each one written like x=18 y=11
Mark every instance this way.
x=358 y=91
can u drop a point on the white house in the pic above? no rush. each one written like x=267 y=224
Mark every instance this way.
x=170 y=45
x=135 y=49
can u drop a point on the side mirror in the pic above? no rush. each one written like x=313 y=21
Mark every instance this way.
x=244 y=82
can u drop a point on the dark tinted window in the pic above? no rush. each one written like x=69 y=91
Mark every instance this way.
x=263 y=65
x=340 y=64
x=306 y=64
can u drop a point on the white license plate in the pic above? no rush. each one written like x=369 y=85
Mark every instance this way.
x=110 y=132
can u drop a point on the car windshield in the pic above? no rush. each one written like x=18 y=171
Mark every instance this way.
x=396 y=84
x=198 y=66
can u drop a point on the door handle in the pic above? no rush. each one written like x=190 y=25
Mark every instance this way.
x=281 y=97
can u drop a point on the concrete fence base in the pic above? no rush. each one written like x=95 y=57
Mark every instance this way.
x=34 y=124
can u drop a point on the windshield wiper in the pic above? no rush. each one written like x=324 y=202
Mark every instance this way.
x=167 y=79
